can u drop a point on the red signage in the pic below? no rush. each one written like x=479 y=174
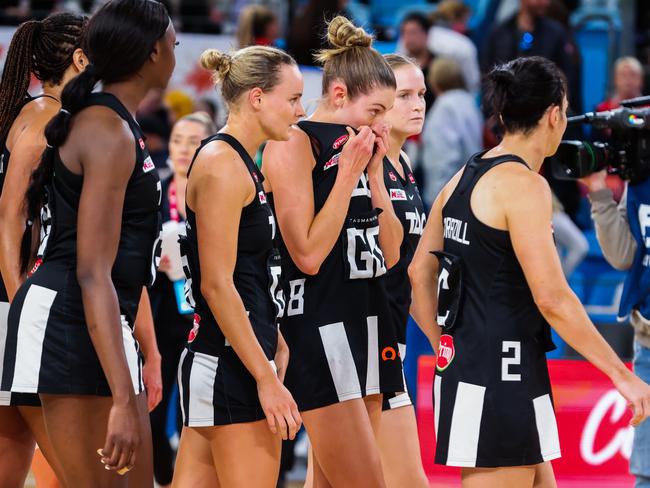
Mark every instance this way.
x=592 y=418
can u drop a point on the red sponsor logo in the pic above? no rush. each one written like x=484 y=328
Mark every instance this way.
x=340 y=141
x=148 y=165
x=195 y=328
x=332 y=162
x=446 y=352
x=412 y=178
x=397 y=194
x=392 y=176
x=141 y=142
x=37 y=264
x=262 y=196
x=256 y=178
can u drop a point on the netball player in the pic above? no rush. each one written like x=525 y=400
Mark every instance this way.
x=171 y=326
x=340 y=235
x=235 y=408
x=70 y=324
x=500 y=286
x=49 y=50
x=398 y=435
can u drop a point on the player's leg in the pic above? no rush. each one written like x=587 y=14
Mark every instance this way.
x=344 y=445
x=400 y=449
x=519 y=476
x=16 y=448
x=194 y=466
x=246 y=454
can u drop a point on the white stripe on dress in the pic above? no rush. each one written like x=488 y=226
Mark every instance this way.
x=31 y=334
x=131 y=352
x=4 y=316
x=180 y=383
x=341 y=363
x=437 y=384
x=201 y=390
x=549 y=439
x=466 y=425
x=372 y=373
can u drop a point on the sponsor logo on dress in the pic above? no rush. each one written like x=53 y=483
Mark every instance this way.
x=392 y=176
x=195 y=328
x=397 y=194
x=262 y=197
x=148 y=165
x=389 y=354
x=446 y=352
x=37 y=264
x=141 y=142
x=340 y=141
x=256 y=178
x=412 y=178
x=332 y=162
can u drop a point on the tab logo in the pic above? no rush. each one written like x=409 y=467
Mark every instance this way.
x=141 y=142
x=412 y=178
x=392 y=176
x=148 y=165
x=262 y=197
x=396 y=194
x=340 y=141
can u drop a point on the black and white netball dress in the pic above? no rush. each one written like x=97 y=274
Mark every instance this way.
x=215 y=386
x=409 y=209
x=492 y=393
x=337 y=322
x=6 y=397
x=49 y=349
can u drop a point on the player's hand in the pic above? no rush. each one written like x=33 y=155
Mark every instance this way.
x=356 y=153
x=279 y=407
x=376 y=164
x=637 y=393
x=122 y=438
x=152 y=378
x=165 y=264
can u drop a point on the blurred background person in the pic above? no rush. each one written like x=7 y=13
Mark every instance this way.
x=414 y=31
x=257 y=25
x=453 y=128
x=448 y=38
x=627 y=82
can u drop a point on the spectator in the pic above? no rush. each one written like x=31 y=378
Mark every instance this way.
x=414 y=30
x=307 y=32
x=257 y=26
x=628 y=82
x=448 y=39
x=211 y=108
x=531 y=33
x=179 y=104
x=453 y=128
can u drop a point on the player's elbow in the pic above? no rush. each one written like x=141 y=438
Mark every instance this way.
x=550 y=302
x=308 y=264
x=418 y=274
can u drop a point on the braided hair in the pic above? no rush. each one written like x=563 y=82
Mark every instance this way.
x=42 y=48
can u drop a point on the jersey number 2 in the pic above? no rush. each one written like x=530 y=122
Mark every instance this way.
x=514 y=360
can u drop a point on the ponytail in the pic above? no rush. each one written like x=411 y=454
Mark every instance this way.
x=17 y=74
x=73 y=99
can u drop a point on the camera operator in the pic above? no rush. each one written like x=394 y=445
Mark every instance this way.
x=621 y=230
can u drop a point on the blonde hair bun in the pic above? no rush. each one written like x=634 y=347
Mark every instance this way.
x=341 y=33
x=217 y=61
